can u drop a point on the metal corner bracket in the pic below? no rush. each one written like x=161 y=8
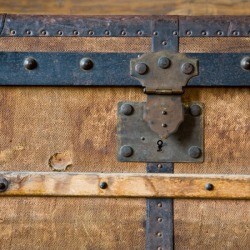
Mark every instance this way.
x=162 y=129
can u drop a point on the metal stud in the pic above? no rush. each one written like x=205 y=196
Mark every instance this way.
x=195 y=110
x=126 y=151
x=187 y=68
x=3 y=184
x=86 y=64
x=209 y=186
x=194 y=152
x=126 y=109
x=30 y=63
x=164 y=62
x=103 y=185
x=245 y=63
x=141 y=68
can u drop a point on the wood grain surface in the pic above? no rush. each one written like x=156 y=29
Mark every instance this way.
x=127 y=185
x=139 y=7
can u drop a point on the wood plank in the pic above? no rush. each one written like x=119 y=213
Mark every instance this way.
x=110 y=7
x=127 y=185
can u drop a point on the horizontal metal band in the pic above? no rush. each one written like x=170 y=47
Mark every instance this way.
x=125 y=185
x=111 y=69
x=30 y=25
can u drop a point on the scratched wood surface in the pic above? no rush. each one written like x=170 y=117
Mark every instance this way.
x=42 y=127
x=127 y=185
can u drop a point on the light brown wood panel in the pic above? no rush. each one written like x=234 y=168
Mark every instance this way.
x=139 y=7
x=127 y=185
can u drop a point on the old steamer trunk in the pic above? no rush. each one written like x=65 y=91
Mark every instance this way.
x=91 y=161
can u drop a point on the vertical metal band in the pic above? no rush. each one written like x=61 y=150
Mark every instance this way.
x=159 y=221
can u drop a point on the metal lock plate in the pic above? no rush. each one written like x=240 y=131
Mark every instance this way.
x=138 y=143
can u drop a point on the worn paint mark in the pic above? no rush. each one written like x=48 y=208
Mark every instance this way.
x=60 y=161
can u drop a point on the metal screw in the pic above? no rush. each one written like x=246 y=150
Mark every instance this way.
x=245 y=63
x=91 y=32
x=60 y=33
x=164 y=112
x=235 y=33
x=187 y=68
x=164 y=125
x=139 y=32
x=155 y=33
x=3 y=184
x=76 y=33
x=159 y=166
x=127 y=109
x=126 y=151
x=195 y=110
x=28 y=32
x=164 y=62
x=86 y=64
x=194 y=152
x=30 y=63
x=103 y=185
x=209 y=186
x=189 y=32
x=44 y=32
x=159 y=219
x=159 y=204
x=175 y=33
x=141 y=68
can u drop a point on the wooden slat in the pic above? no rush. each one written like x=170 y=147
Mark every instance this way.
x=127 y=185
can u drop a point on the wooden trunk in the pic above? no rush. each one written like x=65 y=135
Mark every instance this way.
x=43 y=128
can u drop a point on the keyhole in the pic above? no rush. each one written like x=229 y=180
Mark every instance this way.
x=159 y=144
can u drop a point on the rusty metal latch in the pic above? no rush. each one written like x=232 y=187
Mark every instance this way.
x=163 y=76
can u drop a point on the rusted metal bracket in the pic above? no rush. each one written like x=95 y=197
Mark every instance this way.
x=163 y=76
x=163 y=129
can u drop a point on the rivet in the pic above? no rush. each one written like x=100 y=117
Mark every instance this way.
x=103 y=185
x=235 y=33
x=139 y=32
x=204 y=33
x=91 y=32
x=86 y=63
x=209 y=186
x=164 y=43
x=155 y=33
x=159 y=248
x=126 y=151
x=30 y=63
x=219 y=33
x=187 y=68
x=126 y=109
x=44 y=32
x=164 y=62
x=76 y=32
x=164 y=112
x=245 y=63
x=60 y=33
x=195 y=110
x=3 y=184
x=143 y=138
x=159 y=219
x=159 y=165
x=107 y=32
x=159 y=204
x=159 y=234
x=194 y=152
x=123 y=32
x=28 y=32
x=164 y=125
x=141 y=68
x=175 y=33
x=188 y=32
x=12 y=32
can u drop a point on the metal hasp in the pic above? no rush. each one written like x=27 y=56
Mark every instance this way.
x=163 y=129
x=163 y=75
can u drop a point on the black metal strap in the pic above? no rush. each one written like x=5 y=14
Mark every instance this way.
x=111 y=69
x=159 y=222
